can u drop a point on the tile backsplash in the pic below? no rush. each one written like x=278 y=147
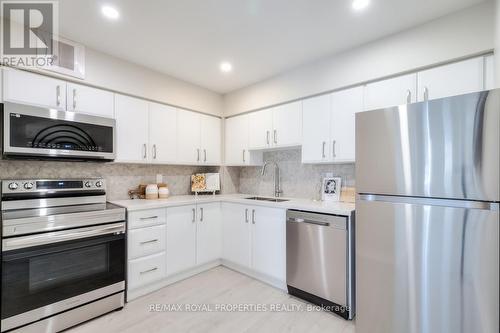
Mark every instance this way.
x=119 y=177
x=297 y=180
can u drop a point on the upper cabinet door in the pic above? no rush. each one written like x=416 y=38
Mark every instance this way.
x=287 y=125
x=89 y=100
x=188 y=137
x=33 y=89
x=210 y=140
x=489 y=72
x=131 y=129
x=316 y=129
x=261 y=124
x=236 y=140
x=450 y=80
x=391 y=92
x=345 y=104
x=162 y=133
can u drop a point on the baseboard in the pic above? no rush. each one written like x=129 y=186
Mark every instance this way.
x=272 y=281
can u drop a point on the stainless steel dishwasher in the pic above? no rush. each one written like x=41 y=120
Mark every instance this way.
x=320 y=260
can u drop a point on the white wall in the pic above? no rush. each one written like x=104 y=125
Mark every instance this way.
x=113 y=73
x=497 y=44
x=461 y=34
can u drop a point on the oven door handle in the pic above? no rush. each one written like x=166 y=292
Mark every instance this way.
x=61 y=236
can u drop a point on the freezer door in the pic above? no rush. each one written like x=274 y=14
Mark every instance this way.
x=444 y=148
x=422 y=267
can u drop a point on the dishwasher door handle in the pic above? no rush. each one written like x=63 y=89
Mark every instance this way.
x=298 y=220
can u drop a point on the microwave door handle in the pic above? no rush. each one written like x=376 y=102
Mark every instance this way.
x=60 y=236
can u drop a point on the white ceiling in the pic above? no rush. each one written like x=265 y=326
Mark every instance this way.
x=188 y=39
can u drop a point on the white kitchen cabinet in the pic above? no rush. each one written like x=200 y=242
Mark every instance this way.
x=269 y=242
x=236 y=234
x=316 y=129
x=489 y=72
x=131 y=116
x=146 y=270
x=162 y=133
x=208 y=233
x=33 y=89
x=188 y=137
x=210 y=144
x=83 y=99
x=261 y=123
x=146 y=241
x=181 y=239
x=391 y=92
x=236 y=142
x=452 y=79
x=287 y=125
x=345 y=104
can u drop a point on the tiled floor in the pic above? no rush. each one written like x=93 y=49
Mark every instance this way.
x=213 y=290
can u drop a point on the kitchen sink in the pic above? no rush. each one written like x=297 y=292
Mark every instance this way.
x=267 y=199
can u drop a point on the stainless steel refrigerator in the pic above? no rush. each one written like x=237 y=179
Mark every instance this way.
x=427 y=216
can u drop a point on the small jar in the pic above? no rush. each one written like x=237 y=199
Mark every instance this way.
x=163 y=192
x=152 y=191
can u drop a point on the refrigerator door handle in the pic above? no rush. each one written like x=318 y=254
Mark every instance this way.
x=485 y=205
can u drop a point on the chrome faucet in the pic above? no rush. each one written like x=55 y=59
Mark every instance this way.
x=276 y=178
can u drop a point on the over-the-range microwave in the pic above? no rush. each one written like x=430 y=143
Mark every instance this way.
x=43 y=133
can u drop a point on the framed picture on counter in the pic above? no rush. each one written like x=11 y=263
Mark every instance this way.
x=331 y=188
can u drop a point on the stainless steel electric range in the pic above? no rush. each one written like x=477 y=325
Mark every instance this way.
x=62 y=253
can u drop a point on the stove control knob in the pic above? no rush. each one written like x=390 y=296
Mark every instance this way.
x=28 y=186
x=13 y=186
x=98 y=183
x=88 y=184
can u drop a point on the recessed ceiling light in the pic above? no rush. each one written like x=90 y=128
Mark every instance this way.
x=110 y=12
x=360 y=4
x=225 y=67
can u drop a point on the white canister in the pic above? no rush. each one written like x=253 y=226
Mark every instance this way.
x=163 y=192
x=152 y=191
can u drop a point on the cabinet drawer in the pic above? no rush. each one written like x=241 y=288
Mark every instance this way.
x=145 y=218
x=146 y=241
x=146 y=270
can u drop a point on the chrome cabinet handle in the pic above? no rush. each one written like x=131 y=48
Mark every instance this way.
x=148 y=218
x=333 y=152
x=244 y=156
x=408 y=96
x=194 y=215
x=246 y=215
x=144 y=151
x=204 y=155
x=267 y=137
x=148 y=271
x=58 y=95
x=426 y=94
x=198 y=152
x=149 y=241
x=275 y=137
x=154 y=151
x=253 y=216
x=323 y=151
x=201 y=214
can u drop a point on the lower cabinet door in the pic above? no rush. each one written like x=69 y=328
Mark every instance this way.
x=209 y=233
x=236 y=234
x=146 y=270
x=181 y=238
x=269 y=242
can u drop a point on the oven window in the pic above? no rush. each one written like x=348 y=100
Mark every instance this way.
x=46 y=133
x=52 y=270
x=38 y=276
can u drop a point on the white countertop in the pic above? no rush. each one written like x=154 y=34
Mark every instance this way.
x=339 y=208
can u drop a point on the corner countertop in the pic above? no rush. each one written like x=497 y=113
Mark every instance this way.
x=339 y=208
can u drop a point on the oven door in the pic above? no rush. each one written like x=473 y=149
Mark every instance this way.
x=42 y=280
x=39 y=132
